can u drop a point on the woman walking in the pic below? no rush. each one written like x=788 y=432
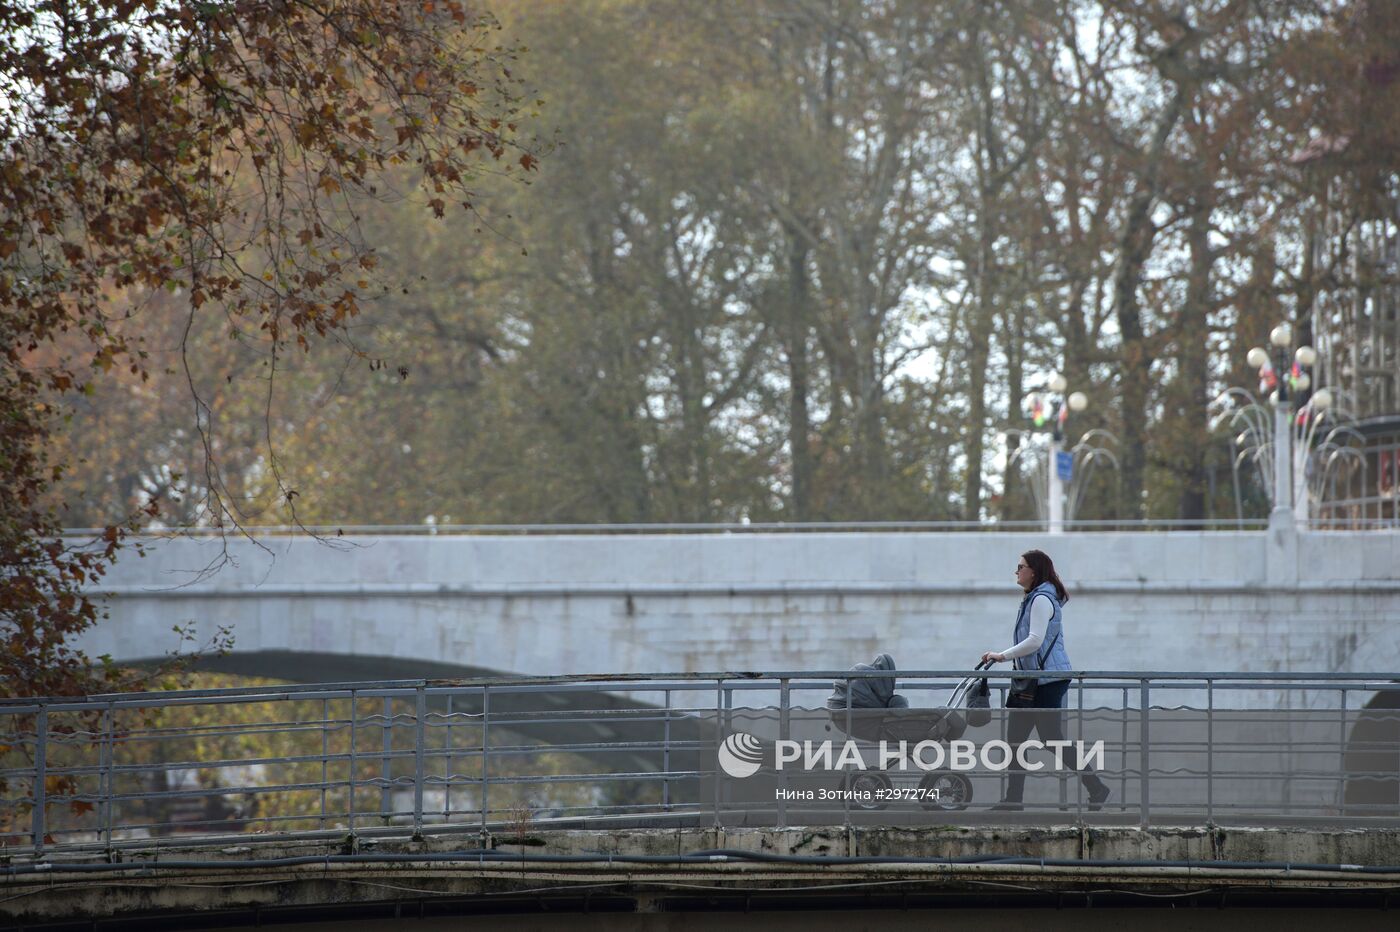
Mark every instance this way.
x=1039 y=701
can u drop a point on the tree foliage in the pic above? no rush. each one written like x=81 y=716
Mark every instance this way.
x=180 y=169
x=807 y=259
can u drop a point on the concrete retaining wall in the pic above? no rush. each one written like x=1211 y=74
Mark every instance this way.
x=633 y=603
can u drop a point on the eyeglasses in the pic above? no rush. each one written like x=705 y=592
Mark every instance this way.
x=1021 y=566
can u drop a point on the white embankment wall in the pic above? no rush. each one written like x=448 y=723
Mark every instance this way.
x=411 y=606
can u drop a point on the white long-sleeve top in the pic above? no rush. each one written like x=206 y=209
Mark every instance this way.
x=1041 y=613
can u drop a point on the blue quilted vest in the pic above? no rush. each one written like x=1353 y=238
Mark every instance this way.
x=1052 y=654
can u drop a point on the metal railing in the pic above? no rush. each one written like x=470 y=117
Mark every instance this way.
x=1217 y=523
x=517 y=755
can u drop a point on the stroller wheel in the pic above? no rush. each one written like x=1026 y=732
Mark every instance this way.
x=953 y=791
x=871 y=790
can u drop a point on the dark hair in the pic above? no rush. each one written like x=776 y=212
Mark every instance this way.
x=1044 y=569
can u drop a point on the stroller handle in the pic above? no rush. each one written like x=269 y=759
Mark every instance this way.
x=958 y=699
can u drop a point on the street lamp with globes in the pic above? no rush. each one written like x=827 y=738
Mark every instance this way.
x=1277 y=378
x=1076 y=402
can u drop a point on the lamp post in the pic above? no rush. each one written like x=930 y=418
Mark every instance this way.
x=1281 y=379
x=1076 y=402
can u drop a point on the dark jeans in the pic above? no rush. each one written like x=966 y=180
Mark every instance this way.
x=1045 y=716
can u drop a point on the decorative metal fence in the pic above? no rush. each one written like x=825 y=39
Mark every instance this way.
x=1337 y=514
x=513 y=756
x=1108 y=525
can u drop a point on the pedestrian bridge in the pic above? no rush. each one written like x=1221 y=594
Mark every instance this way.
x=318 y=798
x=378 y=607
x=738 y=749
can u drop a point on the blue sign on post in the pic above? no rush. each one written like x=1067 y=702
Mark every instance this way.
x=1064 y=465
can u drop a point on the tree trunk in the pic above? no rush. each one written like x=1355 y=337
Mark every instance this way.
x=979 y=329
x=1192 y=354
x=1134 y=247
x=983 y=317
x=1015 y=388
x=799 y=416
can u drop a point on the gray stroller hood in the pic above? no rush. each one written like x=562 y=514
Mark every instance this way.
x=873 y=692
x=868 y=708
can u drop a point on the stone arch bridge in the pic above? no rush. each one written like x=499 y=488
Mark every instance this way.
x=387 y=607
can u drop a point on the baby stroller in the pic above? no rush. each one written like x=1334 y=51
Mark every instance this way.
x=869 y=709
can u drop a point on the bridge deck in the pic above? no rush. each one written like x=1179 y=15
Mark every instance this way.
x=667 y=870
